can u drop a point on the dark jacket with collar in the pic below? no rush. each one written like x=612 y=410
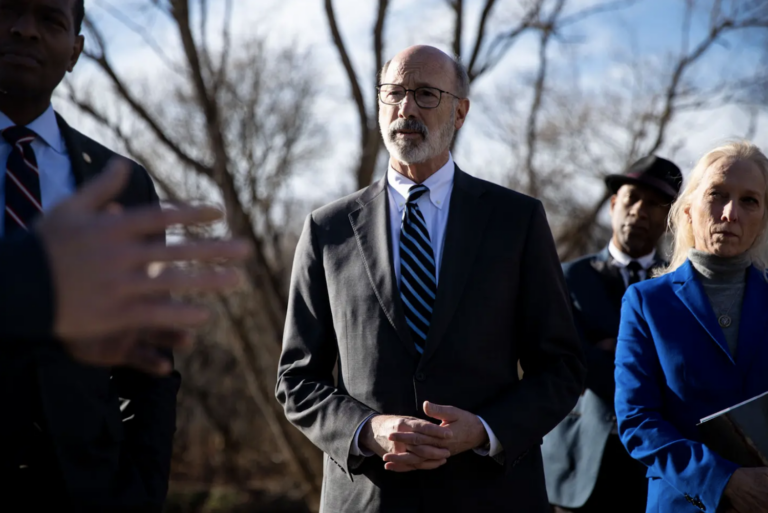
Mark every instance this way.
x=109 y=460
x=574 y=449
x=501 y=298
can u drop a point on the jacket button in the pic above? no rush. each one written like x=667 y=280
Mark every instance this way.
x=421 y=377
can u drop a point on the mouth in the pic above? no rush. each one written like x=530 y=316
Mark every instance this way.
x=20 y=58
x=727 y=235
x=408 y=133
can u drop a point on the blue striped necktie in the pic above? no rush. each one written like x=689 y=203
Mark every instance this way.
x=418 y=276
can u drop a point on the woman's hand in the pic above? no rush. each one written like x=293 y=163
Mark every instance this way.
x=747 y=491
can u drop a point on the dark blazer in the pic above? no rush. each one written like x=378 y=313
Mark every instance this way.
x=501 y=298
x=573 y=450
x=673 y=368
x=109 y=460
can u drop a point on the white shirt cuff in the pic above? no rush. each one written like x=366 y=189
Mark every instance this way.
x=356 y=450
x=495 y=447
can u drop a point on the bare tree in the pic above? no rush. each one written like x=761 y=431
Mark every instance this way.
x=233 y=126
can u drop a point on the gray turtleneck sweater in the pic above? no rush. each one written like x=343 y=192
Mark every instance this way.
x=724 y=280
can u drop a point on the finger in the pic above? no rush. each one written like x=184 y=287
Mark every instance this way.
x=97 y=193
x=429 y=452
x=232 y=250
x=148 y=360
x=430 y=429
x=154 y=221
x=181 y=281
x=438 y=411
x=406 y=458
x=417 y=439
x=163 y=314
x=398 y=467
x=401 y=465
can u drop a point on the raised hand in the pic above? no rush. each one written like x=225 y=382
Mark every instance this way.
x=400 y=457
x=468 y=432
x=99 y=260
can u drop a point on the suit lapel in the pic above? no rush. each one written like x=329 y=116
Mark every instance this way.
x=372 y=230
x=691 y=292
x=464 y=232
x=754 y=323
x=611 y=275
x=83 y=166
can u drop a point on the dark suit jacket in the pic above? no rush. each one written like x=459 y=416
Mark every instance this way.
x=574 y=449
x=501 y=298
x=107 y=463
x=673 y=368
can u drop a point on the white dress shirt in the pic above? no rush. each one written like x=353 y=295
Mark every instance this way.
x=434 y=205
x=622 y=260
x=57 y=181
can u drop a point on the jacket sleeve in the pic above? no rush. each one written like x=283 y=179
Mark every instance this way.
x=149 y=418
x=305 y=383
x=688 y=466
x=599 y=363
x=551 y=355
x=26 y=290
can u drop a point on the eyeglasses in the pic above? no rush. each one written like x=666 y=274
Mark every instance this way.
x=426 y=97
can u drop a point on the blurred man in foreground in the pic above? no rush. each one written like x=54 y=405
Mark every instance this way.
x=586 y=466
x=76 y=290
x=428 y=313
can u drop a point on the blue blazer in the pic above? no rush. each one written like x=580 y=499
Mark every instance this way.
x=673 y=367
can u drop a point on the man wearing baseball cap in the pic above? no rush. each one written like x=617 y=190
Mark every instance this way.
x=587 y=470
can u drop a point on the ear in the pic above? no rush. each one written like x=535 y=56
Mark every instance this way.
x=462 y=109
x=613 y=203
x=77 y=50
x=687 y=212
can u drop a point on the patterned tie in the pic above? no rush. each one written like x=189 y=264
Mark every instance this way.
x=418 y=276
x=634 y=269
x=22 y=181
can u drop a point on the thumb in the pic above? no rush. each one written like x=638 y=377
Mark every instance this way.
x=438 y=411
x=102 y=190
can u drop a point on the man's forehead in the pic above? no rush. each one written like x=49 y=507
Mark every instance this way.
x=418 y=69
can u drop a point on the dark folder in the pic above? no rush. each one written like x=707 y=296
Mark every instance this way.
x=739 y=433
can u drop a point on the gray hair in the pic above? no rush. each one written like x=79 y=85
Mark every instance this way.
x=460 y=72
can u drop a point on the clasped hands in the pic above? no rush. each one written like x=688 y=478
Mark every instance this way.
x=408 y=443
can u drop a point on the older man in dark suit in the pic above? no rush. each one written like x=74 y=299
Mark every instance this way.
x=427 y=288
x=587 y=468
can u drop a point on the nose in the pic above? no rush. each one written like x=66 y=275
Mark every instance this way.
x=408 y=107
x=24 y=26
x=640 y=209
x=730 y=212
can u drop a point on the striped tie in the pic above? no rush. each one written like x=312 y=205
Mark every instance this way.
x=22 y=181
x=418 y=277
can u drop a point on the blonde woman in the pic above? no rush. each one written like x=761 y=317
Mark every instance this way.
x=695 y=340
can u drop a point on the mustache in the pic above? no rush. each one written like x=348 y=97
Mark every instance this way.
x=411 y=125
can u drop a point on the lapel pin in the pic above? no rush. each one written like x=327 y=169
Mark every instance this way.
x=86 y=158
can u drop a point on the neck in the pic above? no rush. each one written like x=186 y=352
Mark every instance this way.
x=716 y=267
x=23 y=111
x=632 y=253
x=421 y=171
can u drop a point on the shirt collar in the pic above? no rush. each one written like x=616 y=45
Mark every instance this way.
x=621 y=259
x=439 y=184
x=46 y=127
